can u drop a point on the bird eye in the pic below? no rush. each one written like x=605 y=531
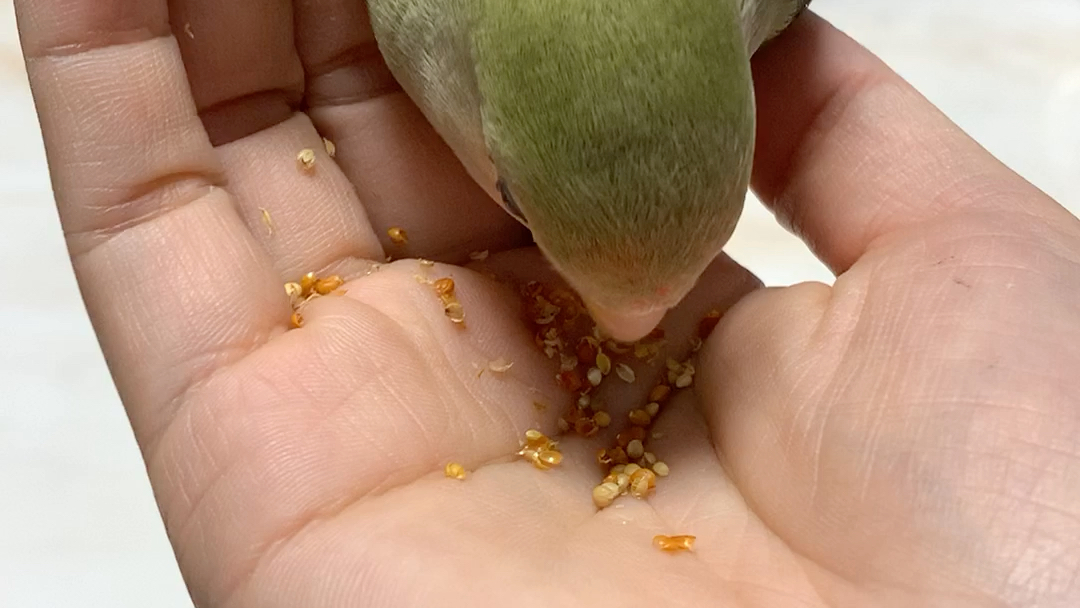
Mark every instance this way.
x=508 y=199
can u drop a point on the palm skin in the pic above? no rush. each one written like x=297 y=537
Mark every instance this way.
x=904 y=438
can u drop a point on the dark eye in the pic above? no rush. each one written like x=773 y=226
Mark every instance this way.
x=508 y=200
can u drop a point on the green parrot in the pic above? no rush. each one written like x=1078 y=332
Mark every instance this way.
x=620 y=132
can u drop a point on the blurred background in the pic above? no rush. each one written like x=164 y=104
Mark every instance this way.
x=78 y=524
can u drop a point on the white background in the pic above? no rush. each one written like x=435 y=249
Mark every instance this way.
x=78 y=525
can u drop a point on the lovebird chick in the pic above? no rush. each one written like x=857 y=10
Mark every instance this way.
x=621 y=132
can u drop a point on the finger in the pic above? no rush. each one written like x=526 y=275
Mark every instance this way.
x=847 y=152
x=405 y=174
x=171 y=278
x=248 y=84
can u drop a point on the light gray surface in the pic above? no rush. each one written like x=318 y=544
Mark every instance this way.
x=78 y=526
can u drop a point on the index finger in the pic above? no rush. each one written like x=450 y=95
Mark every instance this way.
x=174 y=283
x=848 y=152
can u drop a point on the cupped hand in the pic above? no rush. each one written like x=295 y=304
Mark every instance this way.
x=906 y=437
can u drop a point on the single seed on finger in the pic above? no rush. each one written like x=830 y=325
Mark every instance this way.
x=661 y=469
x=331 y=149
x=306 y=160
x=455 y=471
x=605 y=494
x=397 y=235
x=684 y=542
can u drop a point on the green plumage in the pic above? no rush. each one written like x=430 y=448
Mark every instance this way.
x=622 y=130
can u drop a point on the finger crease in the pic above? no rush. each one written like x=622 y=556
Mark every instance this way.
x=354 y=75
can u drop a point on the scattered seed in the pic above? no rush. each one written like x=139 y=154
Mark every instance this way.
x=479 y=256
x=635 y=449
x=569 y=380
x=603 y=458
x=444 y=286
x=659 y=393
x=661 y=469
x=642 y=482
x=190 y=33
x=423 y=263
x=708 y=323
x=630 y=469
x=540 y=407
x=500 y=365
x=595 y=376
x=306 y=160
x=673 y=544
x=455 y=471
x=640 y=418
x=605 y=494
x=307 y=284
x=551 y=458
x=331 y=149
x=622 y=480
x=586 y=427
x=649 y=458
x=684 y=381
x=603 y=363
x=296 y=320
x=398 y=236
x=567 y=362
x=584 y=401
x=294 y=291
x=328 y=285
x=652 y=409
x=602 y=419
x=563 y=425
x=267 y=221
x=618 y=456
x=625 y=372
x=619 y=468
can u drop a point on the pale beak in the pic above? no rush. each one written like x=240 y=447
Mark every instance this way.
x=626 y=326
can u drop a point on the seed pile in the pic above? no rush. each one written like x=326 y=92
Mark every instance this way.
x=564 y=332
x=540 y=450
x=308 y=288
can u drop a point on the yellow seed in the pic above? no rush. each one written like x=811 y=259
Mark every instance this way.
x=619 y=468
x=328 y=285
x=605 y=494
x=661 y=469
x=635 y=449
x=603 y=363
x=268 y=221
x=455 y=471
x=625 y=372
x=684 y=542
x=293 y=290
x=479 y=256
x=398 y=236
x=659 y=392
x=630 y=469
x=649 y=458
x=306 y=159
x=296 y=320
x=684 y=381
x=652 y=409
x=307 y=283
x=640 y=418
x=622 y=480
x=533 y=435
x=423 y=263
x=444 y=286
x=551 y=458
x=639 y=487
x=602 y=419
x=331 y=149
x=595 y=376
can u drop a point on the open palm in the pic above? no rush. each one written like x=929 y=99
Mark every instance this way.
x=905 y=438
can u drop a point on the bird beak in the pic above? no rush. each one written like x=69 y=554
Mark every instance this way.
x=626 y=326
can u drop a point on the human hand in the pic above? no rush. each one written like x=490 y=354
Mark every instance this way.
x=904 y=438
